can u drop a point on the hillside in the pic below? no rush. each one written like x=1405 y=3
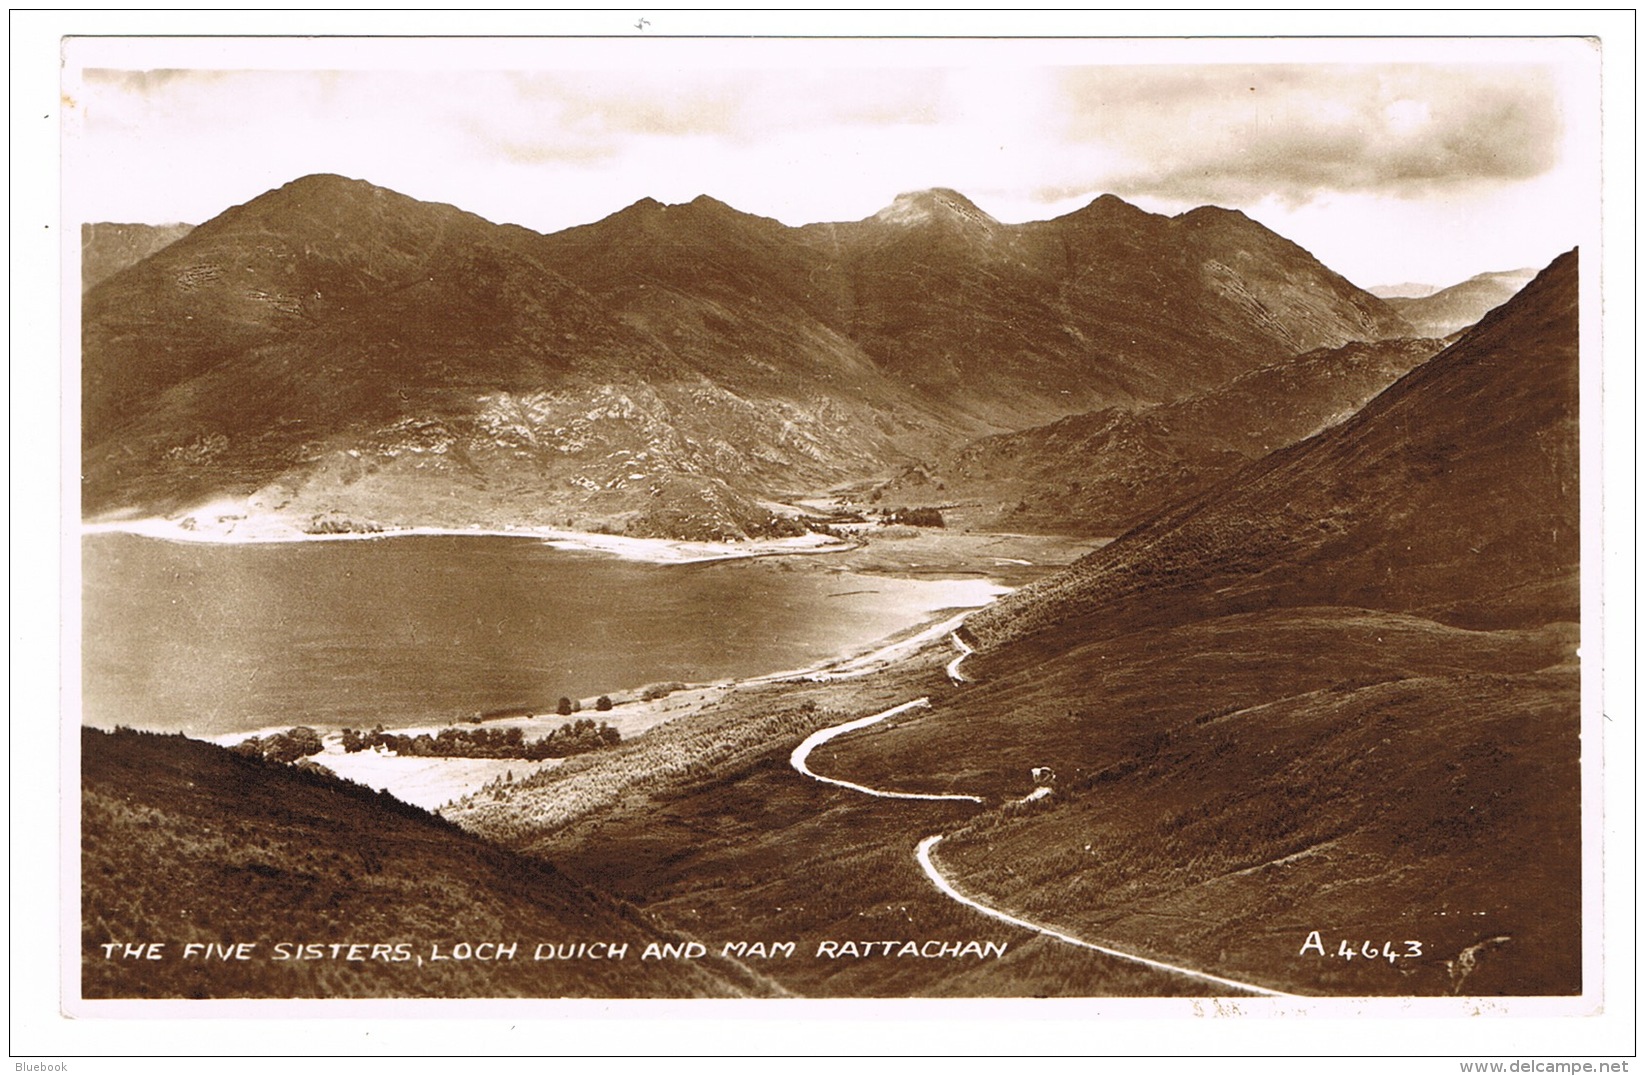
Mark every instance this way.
x=106 y=249
x=186 y=842
x=1103 y=472
x=1338 y=691
x=1445 y=311
x=332 y=349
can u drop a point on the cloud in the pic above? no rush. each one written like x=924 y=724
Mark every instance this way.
x=1291 y=133
x=591 y=115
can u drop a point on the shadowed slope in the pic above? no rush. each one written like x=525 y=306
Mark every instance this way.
x=186 y=842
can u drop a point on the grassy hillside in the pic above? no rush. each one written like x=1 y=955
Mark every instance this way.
x=1224 y=787
x=705 y=825
x=1454 y=492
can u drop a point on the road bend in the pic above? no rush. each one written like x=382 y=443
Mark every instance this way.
x=929 y=866
x=966 y=651
x=822 y=736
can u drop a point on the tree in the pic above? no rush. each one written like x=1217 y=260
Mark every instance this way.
x=603 y=703
x=565 y=706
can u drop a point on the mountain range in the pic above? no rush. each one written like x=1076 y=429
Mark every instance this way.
x=334 y=349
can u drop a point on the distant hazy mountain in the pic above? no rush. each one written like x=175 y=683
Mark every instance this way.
x=1102 y=472
x=1402 y=291
x=1443 y=312
x=333 y=348
x=105 y=249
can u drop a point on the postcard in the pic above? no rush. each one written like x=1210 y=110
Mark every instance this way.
x=1076 y=524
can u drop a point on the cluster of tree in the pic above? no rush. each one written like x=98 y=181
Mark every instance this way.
x=288 y=746
x=572 y=738
x=915 y=517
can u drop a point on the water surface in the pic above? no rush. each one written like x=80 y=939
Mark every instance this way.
x=212 y=638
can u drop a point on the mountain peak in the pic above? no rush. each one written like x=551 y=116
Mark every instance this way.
x=328 y=187
x=320 y=181
x=1112 y=202
x=1108 y=208
x=939 y=205
x=1212 y=214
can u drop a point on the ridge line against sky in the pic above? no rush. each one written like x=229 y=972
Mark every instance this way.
x=1431 y=166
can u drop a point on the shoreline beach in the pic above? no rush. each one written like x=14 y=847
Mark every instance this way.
x=268 y=530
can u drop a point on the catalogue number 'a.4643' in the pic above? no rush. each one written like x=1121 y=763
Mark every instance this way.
x=1369 y=950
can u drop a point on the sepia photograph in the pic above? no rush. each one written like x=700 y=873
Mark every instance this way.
x=636 y=517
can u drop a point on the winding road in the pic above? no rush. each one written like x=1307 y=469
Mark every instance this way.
x=822 y=736
x=923 y=853
x=966 y=651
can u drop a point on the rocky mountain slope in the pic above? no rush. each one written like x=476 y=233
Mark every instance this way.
x=1448 y=310
x=335 y=349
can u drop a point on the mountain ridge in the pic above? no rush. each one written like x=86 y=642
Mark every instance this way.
x=327 y=317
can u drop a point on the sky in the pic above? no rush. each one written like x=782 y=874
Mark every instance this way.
x=1401 y=161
